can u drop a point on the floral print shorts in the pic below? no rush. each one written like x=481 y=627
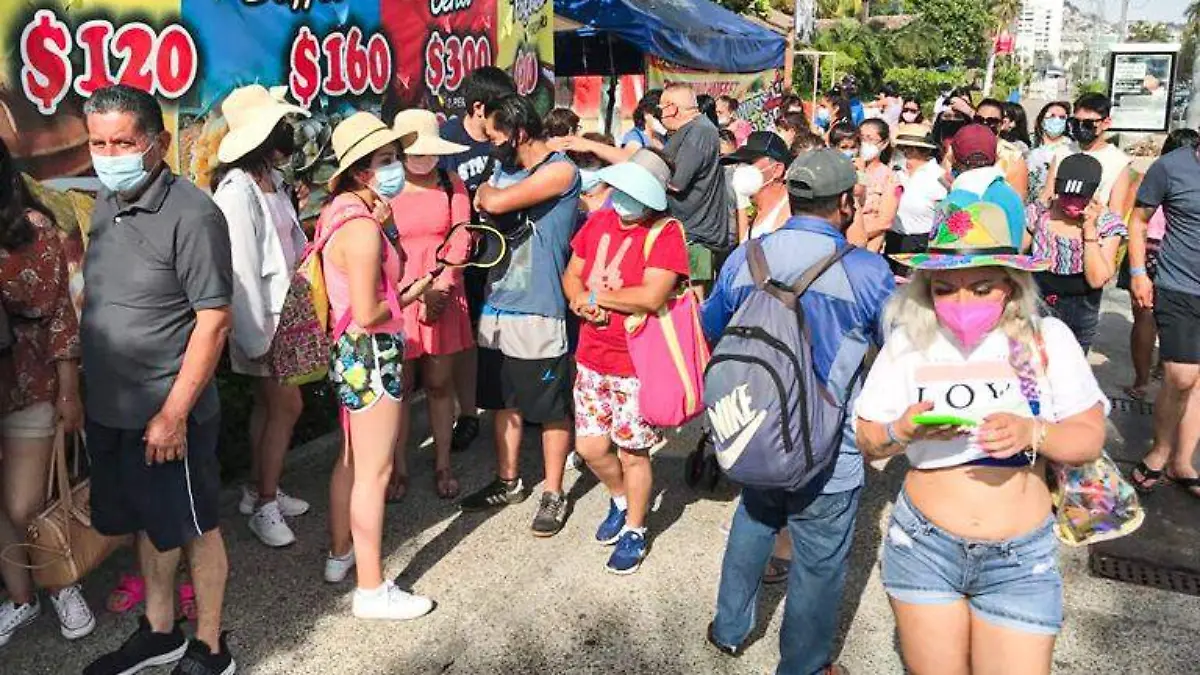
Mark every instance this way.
x=363 y=368
x=607 y=405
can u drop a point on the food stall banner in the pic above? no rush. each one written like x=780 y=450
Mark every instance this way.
x=758 y=94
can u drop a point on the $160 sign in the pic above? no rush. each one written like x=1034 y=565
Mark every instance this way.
x=337 y=65
x=163 y=62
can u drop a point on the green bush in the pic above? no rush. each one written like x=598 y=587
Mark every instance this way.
x=925 y=84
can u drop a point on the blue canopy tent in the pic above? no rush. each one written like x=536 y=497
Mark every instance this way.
x=613 y=37
x=691 y=33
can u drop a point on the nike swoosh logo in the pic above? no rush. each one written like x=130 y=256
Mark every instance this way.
x=733 y=451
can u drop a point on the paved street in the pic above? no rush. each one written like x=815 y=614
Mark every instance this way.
x=510 y=603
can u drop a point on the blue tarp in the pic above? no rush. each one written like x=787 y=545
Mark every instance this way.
x=692 y=33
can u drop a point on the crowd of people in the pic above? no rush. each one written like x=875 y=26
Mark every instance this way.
x=947 y=260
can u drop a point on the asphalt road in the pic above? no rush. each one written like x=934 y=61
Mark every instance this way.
x=510 y=603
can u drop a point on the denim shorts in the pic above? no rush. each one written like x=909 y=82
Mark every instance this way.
x=1014 y=584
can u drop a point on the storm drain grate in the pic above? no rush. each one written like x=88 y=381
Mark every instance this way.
x=1141 y=574
x=1128 y=405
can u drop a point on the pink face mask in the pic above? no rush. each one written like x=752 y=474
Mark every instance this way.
x=969 y=322
x=1073 y=205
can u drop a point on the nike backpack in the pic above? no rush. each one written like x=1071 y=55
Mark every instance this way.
x=774 y=424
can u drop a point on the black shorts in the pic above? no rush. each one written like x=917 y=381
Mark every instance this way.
x=474 y=288
x=173 y=503
x=540 y=389
x=1178 y=318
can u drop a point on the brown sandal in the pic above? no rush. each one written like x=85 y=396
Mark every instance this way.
x=446 y=484
x=397 y=488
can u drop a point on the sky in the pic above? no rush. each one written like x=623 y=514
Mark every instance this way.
x=1143 y=10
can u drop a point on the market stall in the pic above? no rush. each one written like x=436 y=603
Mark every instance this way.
x=696 y=41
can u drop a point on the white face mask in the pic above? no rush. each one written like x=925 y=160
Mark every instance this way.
x=869 y=151
x=747 y=181
x=656 y=126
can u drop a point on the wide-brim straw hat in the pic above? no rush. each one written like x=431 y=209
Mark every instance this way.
x=974 y=235
x=251 y=113
x=915 y=136
x=358 y=136
x=428 y=139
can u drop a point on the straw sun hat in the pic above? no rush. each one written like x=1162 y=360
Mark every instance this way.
x=358 y=136
x=251 y=112
x=428 y=139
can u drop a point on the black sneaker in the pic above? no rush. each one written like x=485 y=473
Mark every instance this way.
x=466 y=430
x=498 y=493
x=199 y=660
x=727 y=650
x=551 y=514
x=143 y=649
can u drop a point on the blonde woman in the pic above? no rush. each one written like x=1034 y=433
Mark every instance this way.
x=970 y=559
x=362 y=274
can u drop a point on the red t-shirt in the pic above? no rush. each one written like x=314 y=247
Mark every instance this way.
x=613 y=258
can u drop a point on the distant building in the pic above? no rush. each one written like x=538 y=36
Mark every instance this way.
x=1040 y=30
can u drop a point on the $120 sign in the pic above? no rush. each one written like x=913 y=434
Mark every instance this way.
x=162 y=62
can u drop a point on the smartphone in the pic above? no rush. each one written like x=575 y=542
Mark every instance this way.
x=936 y=420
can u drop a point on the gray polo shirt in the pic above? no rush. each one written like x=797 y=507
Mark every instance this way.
x=151 y=265
x=700 y=203
x=1173 y=182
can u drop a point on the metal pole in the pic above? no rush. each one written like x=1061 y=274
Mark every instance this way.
x=1123 y=26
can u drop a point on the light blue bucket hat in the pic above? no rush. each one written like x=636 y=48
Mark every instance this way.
x=644 y=177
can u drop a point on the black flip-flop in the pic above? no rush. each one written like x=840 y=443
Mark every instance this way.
x=1189 y=484
x=1150 y=479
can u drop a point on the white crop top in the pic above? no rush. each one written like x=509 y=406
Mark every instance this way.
x=974 y=386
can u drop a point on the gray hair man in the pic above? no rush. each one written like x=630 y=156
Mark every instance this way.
x=158 y=283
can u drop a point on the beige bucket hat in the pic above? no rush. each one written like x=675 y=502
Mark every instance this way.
x=429 y=139
x=358 y=136
x=251 y=113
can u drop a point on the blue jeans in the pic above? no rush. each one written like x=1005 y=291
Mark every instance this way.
x=822 y=529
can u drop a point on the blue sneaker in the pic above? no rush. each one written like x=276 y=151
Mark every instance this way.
x=628 y=556
x=610 y=530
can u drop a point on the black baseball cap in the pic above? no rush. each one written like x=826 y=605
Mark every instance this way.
x=758 y=145
x=1078 y=174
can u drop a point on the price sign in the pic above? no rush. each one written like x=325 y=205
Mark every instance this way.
x=162 y=62
x=338 y=64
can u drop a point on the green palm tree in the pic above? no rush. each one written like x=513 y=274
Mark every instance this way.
x=1192 y=14
x=1145 y=31
x=1004 y=12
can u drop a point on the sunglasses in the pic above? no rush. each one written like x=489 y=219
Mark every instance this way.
x=912 y=110
x=1076 y=123
x=992 y=123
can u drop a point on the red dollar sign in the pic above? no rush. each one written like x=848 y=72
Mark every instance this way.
x=305 y=79
x=45 y=69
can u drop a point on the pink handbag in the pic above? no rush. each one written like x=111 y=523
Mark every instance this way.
x=669 y=355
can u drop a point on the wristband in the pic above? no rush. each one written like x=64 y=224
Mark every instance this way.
x=1137 y=271
x=1094 y=240
x=592 y=298
x=891 y=434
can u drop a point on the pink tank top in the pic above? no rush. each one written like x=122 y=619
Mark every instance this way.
x=342 y=209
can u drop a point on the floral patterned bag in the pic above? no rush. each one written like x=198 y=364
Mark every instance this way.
x=299 y=352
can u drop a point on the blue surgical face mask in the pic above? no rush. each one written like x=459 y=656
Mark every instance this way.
x=1054 y=127
x=389 y=179
x=628 y=208
x=589 y=180
x=121 y=173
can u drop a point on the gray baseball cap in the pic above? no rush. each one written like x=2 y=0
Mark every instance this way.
x=822 y=173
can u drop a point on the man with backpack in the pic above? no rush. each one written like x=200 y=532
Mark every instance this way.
x=796 y=314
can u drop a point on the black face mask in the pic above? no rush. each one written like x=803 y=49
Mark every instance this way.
x=282 y=139
x=506 y=155
x=1084 y=132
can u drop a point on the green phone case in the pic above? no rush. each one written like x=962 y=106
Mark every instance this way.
x=935 y=420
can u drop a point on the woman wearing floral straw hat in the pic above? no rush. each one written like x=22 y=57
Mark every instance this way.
x=975 y=388
x=609 y=277
x=363 y=273
x=266 y=241
x=438 y=325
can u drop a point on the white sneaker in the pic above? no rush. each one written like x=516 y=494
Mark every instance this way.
x=337 y=569
x=390 y=603
x=270 y=527
x=13 y=618
x=74 y=615
x=289 y=506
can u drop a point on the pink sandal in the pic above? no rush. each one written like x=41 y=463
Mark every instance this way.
x=187 y=601
x=129 y=593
